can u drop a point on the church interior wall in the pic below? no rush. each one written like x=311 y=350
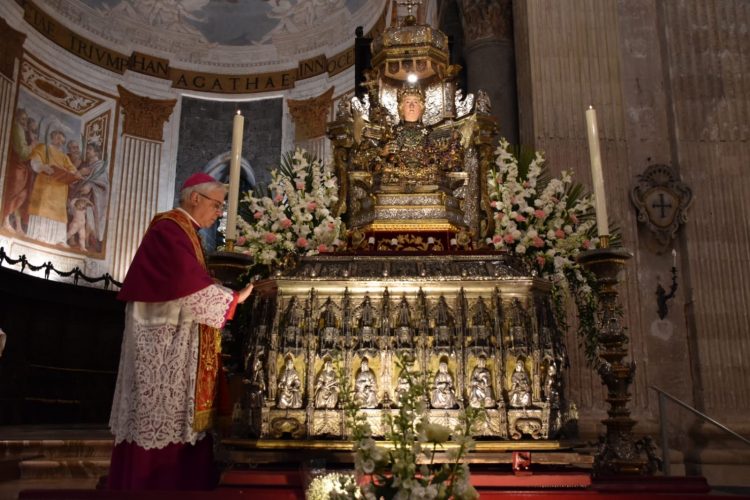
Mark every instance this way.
x=143 y=174
x=667 y=82
x=261 y=147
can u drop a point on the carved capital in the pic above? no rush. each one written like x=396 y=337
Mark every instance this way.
x=11 y=48
x=144 y=117
x=486 y=20
x=310 y=115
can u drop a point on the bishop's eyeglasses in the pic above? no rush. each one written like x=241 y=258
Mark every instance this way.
x=218 y=205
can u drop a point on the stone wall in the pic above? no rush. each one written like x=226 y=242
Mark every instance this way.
x=667 y=80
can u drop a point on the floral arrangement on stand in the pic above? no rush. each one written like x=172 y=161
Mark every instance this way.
x=293 y=216
x=404 y=465
x=547 y=222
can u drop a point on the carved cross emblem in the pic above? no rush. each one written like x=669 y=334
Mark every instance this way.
x=661 y=200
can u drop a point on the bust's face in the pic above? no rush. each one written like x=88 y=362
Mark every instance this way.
x=411 y=108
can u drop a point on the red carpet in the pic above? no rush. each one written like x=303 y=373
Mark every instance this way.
x=287 y=485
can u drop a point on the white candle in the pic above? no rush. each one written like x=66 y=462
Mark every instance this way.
x=234 y=176
x=674 y=258
x=600 y=201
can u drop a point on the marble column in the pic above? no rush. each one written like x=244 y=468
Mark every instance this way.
x=489 y=56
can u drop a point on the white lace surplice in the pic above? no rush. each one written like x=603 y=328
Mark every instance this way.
x=154 y=397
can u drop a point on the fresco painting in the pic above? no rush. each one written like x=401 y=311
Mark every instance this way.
x=254 y=22
x=57 y=183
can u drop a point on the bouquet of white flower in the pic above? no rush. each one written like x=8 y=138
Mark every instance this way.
x=547 y=222
x=407 y=468
x=294 y=216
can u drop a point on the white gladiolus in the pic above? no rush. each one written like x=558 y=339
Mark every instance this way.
x=308 y=213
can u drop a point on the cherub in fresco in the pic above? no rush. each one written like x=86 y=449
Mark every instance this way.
x=77 y=224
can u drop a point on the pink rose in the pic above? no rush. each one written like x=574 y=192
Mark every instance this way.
x=278 y=198
x=241 y=241
x=258 y=215
x=497 y=239
x=300 y=186
x=508 y=238
x=322 y=248
x=540 y=260
x=520 y=218
x=493 y=204
x=538 y=242
x=559 y=233
x=573 y=219
x=285 y=223
x=311 y=206
x=302 y=242
x=539 y=214
x=270 y=238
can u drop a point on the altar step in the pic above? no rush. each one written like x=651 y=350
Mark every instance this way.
x=39 y=453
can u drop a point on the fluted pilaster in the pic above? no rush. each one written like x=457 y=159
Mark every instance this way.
x=139 y=173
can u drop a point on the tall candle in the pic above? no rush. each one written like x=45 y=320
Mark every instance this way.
x=234 y=176
x=600 y=201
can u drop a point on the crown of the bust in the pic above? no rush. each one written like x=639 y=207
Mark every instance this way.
x=410 y=89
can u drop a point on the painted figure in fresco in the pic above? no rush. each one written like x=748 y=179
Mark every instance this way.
x=48 y=204
x=95 y=188
x=74 y=153
x=18 y=177
x=32 y=132
x=290 y=387
x=480 y=389
x=365 y=386
x=77 y=225
x=443 y=394
x=520 y=389
x=327 y=387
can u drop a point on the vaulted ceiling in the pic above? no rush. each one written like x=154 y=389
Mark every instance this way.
x=235 y=34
